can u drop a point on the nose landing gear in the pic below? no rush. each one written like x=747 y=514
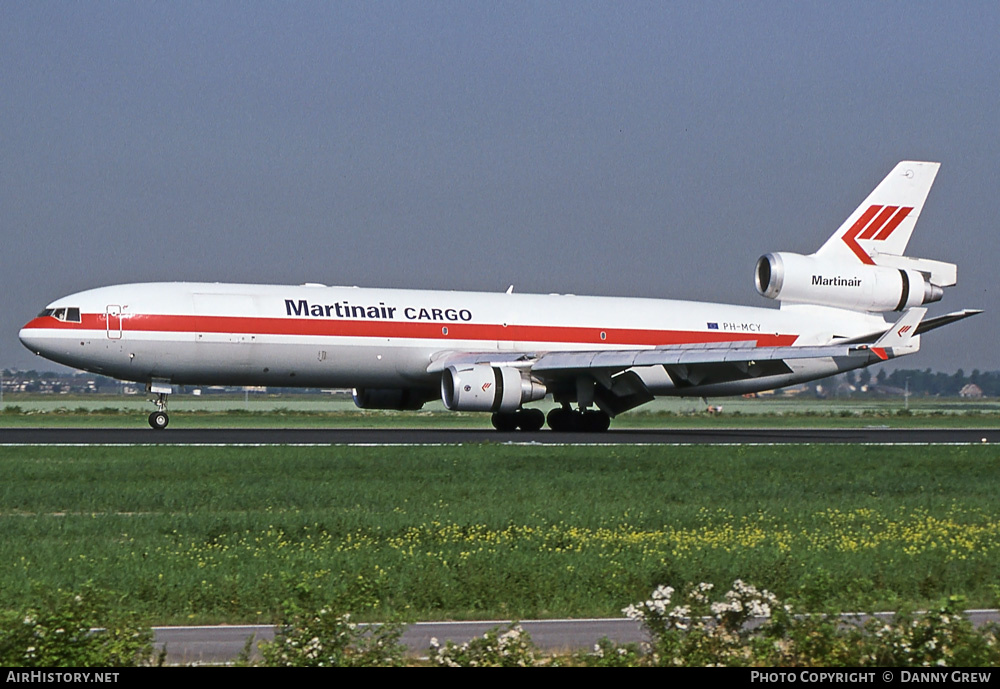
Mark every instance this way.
x=158 y=420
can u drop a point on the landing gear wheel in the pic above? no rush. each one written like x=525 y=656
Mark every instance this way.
x=530 y=420
x=563 y=420
x=159 y=420
x=595 y=421
x=504 y=422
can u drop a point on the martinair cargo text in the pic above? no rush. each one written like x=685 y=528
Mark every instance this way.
x=596 y=356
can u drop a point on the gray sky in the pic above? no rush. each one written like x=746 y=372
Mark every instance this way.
x=634 y=149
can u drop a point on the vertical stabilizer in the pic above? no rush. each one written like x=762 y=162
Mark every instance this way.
x=884 y=222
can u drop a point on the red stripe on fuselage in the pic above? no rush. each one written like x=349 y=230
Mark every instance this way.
x=430 y=330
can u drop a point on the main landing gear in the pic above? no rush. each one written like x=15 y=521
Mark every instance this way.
x=567 y=420
x=525 y=419
x=561 y=419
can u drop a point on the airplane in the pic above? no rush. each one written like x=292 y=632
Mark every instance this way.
x=497 y=352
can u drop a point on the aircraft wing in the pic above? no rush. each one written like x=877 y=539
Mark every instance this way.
x=689 y=365
x=615 y=388
x=613 y=360
x=742 y=352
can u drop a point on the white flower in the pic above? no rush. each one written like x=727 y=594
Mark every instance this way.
x=663 y=593
x=633 y=613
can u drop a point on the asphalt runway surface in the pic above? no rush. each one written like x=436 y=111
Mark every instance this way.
x=223 y=644
x=361 y=437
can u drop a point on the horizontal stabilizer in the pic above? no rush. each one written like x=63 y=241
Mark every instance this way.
x=925 y=326
x=947 y=319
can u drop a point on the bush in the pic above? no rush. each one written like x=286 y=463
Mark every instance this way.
x=58 y=633
x=329 y=639
x=510 y=647
x=750 y=627
x=609 y=654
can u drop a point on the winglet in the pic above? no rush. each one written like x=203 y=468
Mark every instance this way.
x=900 y=334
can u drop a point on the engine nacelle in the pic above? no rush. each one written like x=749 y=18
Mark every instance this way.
x=488 y=388
x=400 y=399
x=801 y=279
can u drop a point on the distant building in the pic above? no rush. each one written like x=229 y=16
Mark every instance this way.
x=971 y=391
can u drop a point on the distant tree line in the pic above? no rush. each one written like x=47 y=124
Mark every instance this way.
x=927 y=382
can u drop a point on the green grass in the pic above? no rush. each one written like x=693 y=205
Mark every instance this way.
x=224 y=534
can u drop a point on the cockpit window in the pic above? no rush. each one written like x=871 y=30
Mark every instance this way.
x=70 y=314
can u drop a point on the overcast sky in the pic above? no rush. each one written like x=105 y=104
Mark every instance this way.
x=635 y=149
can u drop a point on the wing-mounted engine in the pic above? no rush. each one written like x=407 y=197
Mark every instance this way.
x=488 y=388
x=799 y=279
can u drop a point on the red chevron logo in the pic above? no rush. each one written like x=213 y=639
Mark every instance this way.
x=905 y=329
x=876 y=224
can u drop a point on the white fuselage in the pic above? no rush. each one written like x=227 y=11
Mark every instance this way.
x=318 y=336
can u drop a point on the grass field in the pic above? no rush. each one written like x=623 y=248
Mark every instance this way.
x=491 y=531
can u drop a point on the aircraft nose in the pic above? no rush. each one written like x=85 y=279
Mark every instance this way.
x=28 y=339
x=32 y=339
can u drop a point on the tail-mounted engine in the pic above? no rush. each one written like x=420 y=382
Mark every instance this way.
x=801 y=279
x=488 y=388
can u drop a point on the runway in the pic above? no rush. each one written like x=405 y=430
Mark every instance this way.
x=374 y=437
x=223 y=644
